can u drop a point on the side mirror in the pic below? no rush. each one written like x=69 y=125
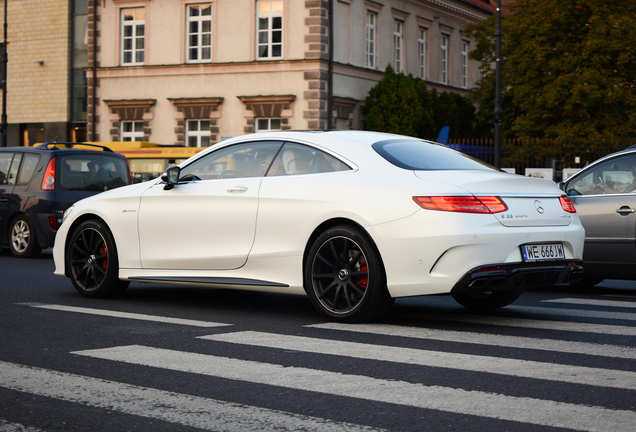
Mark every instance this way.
x=562 y=186
x=170 y=177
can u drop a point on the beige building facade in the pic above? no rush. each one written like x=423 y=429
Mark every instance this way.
x=190 y=72
x=46 y=79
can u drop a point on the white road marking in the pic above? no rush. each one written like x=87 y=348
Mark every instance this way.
x=520 y=409
x=594 y=302
x=581 y=313
x=127 y=315
x=506 y=321
x=466 y=362
x=147 y=402
x=5 y=426
x=486 y=339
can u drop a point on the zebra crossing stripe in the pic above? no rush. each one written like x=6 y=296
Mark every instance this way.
x=580 y=313
x=563 y=346
x=492 y=405
x=127 y=315
x=5 y=426
x=594 y=302
x=157 y=404
x=467 y=362
x=508 y=321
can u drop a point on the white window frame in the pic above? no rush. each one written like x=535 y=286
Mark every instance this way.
x=134 y=134
x=198 y=42
x=444 y=60
x=269 y=32
x=135 y=51
x=371 y=40
x=199 y=133
x=398 y=41
x=464 y=64
x=421 y=45
x=266 y=124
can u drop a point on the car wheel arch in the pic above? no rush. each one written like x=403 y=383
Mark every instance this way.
x=80 y=220
x=331 y=223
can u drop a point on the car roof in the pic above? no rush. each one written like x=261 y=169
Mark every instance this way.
x=66 y=147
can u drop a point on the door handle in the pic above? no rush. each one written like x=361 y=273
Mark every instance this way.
x=3 y=200
x=625 y=210
x=237 y=189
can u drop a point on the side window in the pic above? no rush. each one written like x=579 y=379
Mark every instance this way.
x=296 y=159
x=13 y=170
x=614 y=176
x=5 y=162
x=29 y=164
x=237 y=161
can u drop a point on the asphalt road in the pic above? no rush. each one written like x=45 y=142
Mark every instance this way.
x=167 y=358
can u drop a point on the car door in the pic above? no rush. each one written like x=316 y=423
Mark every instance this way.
x=6 y=190
x=605 y=199
x=208 y=220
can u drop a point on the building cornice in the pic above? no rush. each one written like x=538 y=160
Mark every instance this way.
x=462 y=9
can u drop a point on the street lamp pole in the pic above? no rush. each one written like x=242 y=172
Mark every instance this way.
x=4 y=79
x=498 y=106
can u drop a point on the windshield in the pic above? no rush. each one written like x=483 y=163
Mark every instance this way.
x=92 y=172
x=419 y=155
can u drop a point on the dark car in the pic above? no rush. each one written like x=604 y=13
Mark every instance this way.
x=38 y=183
x=604 y=194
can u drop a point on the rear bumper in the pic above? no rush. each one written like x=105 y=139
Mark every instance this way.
x=501 y=277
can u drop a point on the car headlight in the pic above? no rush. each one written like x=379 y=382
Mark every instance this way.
x=67 y=212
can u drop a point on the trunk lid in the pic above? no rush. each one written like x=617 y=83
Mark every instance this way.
x=531 y=201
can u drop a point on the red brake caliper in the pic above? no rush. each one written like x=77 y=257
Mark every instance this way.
x=363 y=278
x=105 y=253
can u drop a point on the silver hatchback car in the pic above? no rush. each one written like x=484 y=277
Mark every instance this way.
x=604 y=195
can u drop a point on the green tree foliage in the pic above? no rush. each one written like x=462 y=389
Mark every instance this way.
x=403 y=105
x=568 y=70
x=392 y=105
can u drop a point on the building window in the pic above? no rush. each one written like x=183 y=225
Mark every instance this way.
x=372 y=32
x=398 y=37
x=133 y=27
x=464 y=64
x=199 y=33
x=198 y=133
x=132 y=131
x=421 y=44
x=269 y=34
x=444 y=65
x=268 y=124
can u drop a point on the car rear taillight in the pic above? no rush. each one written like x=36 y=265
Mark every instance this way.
x=53 y=223
x=462 y=204
x=129 y=172
x=567 y=205
x=48 y=182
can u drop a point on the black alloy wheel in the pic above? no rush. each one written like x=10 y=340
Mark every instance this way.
x=344 y=276
x=93 y=262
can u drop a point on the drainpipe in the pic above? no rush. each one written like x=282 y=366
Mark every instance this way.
x=330 y=75
x=94 y=68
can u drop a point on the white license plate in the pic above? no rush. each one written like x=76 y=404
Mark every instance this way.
x=543 y=252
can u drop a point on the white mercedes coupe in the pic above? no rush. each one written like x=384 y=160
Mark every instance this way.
x=352 y=219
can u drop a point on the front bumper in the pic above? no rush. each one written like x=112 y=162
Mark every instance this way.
x=501 y=277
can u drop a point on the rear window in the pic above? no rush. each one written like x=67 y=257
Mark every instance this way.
x=422 y=156
x=91 y=172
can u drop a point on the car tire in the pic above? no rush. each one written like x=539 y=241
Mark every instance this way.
x=23 y=241
x=487 y=300
x=344 y=276
x=93 y=263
